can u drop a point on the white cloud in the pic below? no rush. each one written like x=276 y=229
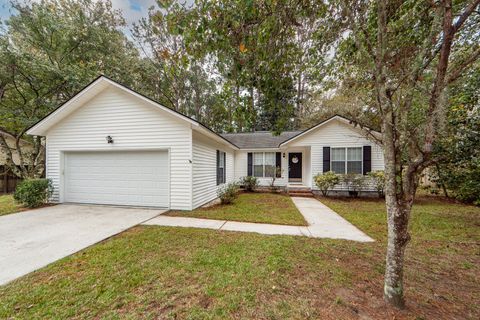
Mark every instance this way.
x=133 y=10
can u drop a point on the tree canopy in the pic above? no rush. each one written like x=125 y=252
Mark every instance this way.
x=51 y=49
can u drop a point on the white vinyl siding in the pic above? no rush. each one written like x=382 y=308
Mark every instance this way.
x=134 y=125
x=335 y=134
x=204 y=169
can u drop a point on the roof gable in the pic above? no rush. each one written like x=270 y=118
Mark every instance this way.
x=85 y=95
x=93 y=89
x=313 y=129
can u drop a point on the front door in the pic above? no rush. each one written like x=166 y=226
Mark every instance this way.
x=295 y=166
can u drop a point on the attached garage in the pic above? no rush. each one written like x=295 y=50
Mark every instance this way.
x=110 y=145
x=135 y=178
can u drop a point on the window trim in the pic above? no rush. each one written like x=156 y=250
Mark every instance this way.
x=263 y=164
x=346 y=158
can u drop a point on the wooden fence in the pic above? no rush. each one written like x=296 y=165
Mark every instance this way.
x=8 y=181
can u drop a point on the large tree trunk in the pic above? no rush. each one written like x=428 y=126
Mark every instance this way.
x=398 y=211
x=397 y=217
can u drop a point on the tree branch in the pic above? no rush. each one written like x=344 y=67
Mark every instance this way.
x=461 y=67
x=9 y=156
x=464 y=16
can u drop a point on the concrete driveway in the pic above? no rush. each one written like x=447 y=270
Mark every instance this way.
x=32 y=239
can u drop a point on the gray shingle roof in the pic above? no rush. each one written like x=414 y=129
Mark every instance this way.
x=258 y=139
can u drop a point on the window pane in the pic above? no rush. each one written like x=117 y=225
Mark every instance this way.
x=338 y=154
x=338 y=167
x=354 y=154
x=221 y=160
x=258 y=158
x=270 y=158
x=220 y=175
x=258 y=171
x=354 y=167
x=270 y=164
x=258 y=164
x=269 y=171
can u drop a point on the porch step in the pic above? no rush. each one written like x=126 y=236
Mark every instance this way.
x=300 y=192
x=303 y=194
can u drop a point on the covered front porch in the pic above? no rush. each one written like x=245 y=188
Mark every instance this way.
x=297 y=167
x=284 y=167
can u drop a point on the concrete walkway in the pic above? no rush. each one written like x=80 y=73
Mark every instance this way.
x=323 y=223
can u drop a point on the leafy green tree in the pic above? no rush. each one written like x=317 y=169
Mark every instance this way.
x=50 y=50
x=457 y=168
x=174 y=76
x=405 y=56
x=256 y=47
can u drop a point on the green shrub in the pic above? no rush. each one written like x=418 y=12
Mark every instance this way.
x=228 y=193
x=326 y=181
x=354 y=182
x=461 y=182
x=33 y=193
x=250 y=183
x=378 y=178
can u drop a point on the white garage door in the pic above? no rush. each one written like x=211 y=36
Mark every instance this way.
x=120 y=178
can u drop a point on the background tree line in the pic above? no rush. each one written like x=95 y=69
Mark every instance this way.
x=407 y=68
x=233 y=65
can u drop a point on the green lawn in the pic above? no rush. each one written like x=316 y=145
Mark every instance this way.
x=8 y=205
x=251 y=207
x=180 y=273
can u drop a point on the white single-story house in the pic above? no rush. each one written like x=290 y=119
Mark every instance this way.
x=112 y=145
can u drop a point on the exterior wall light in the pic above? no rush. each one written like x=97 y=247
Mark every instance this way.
x=109 y=139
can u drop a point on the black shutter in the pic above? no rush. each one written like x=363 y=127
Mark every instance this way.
x=326 y=159
x=224 y=167
x=218 y=167
x=278 y=164
x=250 y=164
x=367 y=159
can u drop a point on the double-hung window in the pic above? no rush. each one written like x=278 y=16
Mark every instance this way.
x=346 y=160
x=220 y=167
x=264 y=164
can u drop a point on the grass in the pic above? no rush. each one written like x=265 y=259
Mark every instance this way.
x=8 y=205
x=251 y=207
x=180 y=273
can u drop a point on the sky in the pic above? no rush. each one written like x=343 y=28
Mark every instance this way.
x=132 y=10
